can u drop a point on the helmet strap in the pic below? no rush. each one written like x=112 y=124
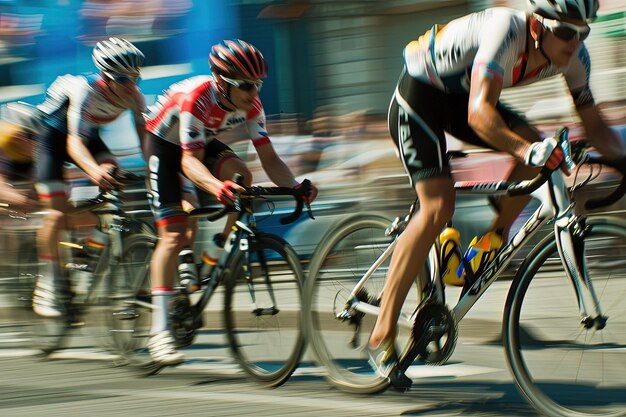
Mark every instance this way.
x=224 y=92
x=536 y=26
x=539 y=45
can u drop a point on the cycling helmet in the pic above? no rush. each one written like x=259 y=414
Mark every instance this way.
x=237 y=59
x=583 y=10
x=118 y=56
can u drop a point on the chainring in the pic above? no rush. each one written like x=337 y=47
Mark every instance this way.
x=435 y=331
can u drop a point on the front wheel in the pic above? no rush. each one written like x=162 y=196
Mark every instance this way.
x=130 y=314
x=561 y=366
x=262 y=309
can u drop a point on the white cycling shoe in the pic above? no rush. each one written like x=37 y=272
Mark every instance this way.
x=163 y=349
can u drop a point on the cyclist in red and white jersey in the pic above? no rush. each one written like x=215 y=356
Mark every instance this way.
x=73 y=111
x=451 y=82
x=183 y=128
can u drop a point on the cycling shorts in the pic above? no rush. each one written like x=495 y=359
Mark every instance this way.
x=52 y=155
x=419 y=114
x=164 y=183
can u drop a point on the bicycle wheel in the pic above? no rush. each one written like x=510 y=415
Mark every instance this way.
x=263 y=308
x=130 y=316
x=561 y=367
x=345 y=255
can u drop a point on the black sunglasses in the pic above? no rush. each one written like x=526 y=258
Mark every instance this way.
x=566 y=31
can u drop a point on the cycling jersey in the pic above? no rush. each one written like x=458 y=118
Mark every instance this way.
x=188 y=114
x=491 y=43
x=80 y=104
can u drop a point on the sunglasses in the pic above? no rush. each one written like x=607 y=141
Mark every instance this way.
x=122 y=79
x=566 y=31
x=244 y=85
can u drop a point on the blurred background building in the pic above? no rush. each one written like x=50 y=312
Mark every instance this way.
x=333 y=65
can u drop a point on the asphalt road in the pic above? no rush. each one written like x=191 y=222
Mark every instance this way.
x=83 y=381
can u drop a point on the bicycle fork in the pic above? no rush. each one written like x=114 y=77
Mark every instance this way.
x=570 y=232
x=244 y=246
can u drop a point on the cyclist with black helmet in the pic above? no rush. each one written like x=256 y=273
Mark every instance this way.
x=183 y=127
x=451 y=82
x=74 y=109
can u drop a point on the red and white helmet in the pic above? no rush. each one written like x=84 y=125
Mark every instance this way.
x=237 y=59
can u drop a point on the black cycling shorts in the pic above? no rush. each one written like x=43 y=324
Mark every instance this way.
x=164 y=175
x=419 y=114
x=52 y=153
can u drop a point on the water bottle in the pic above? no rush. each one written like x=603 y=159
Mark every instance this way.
x=95 y=242
x=211 y=256
x=483 y=251
x=187 y=271
x=450 y=252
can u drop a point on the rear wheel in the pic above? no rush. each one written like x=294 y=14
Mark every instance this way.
x=263 y=308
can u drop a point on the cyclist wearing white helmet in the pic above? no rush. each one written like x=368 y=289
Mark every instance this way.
x=451 y=82
x=183 y=127
x=74 y=109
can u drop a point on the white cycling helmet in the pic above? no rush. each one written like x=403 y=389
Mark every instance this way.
x=118 y=56
x=583 y=10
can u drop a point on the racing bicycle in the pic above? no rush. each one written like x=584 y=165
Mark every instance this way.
x=262 y=279
x=564 y=324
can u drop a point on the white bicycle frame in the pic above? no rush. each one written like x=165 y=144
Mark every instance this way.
x=555 y=205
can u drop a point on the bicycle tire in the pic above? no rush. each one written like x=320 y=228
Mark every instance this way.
x=560 y=367
x=268 y=344
x=130 y=315
x=346 y=253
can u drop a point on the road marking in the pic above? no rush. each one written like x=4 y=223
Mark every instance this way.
x=80 y=353
x=17 y=353
x=456 y=370
x=373 y=406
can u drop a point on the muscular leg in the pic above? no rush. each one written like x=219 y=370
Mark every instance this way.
x=172 y=238
x=50 y=285
x=436 y=198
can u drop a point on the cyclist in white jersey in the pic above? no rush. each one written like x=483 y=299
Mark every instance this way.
x=74 y=109
x=182 y=138
x=451 y=82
